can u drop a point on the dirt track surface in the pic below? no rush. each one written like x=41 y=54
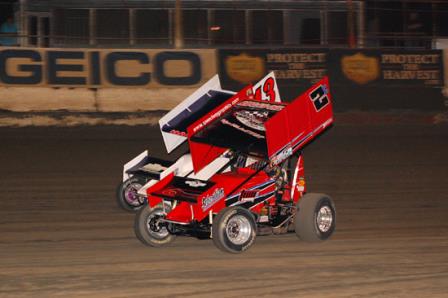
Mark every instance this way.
x=61 y=233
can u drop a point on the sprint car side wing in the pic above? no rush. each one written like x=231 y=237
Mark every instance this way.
x=300 y=122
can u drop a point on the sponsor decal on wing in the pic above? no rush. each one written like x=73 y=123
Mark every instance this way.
x=284 y=154
x=240 y=128
x=252 y=119
x=261 y=105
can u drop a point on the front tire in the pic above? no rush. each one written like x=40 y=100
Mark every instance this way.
x=149 y=229
x=315 y=219
x=234 y=230
x=127 y=194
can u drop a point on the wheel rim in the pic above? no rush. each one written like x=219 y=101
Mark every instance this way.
x=131 y=194
x=238 y=229
x=154 y=226
x=324 y=219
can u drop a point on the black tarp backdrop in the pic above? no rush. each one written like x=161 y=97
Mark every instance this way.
x=360 y=79
x=296 y=69
x=387 y=79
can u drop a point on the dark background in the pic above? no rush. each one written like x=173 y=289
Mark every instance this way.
x=377 y=95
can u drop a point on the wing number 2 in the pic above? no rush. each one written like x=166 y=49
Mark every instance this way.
x=319 y=97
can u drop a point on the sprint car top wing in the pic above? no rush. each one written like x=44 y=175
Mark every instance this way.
x=265 y=129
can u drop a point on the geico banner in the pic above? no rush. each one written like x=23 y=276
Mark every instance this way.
x=96 y=68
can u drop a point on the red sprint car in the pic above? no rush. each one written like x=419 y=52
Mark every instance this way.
x=243 y=175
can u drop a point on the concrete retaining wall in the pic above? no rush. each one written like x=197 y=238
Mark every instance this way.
x=26 y=99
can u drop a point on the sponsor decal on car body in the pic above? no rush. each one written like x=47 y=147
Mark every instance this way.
x=210 y=200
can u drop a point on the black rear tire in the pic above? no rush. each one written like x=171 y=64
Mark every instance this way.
x=149 y=230
x=315 y=219
x=234 y=230
x=127 y=197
